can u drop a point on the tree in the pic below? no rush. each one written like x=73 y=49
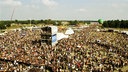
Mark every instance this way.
x=127 y=24
x=75 y=22
x=16 y=21
x=33 y=21
x=121 y=25
x=41 y=21
x=112 y=24
x=100 y=21
x=116 y=24
x=2 y=25
x=105 y=24
x=59 y=23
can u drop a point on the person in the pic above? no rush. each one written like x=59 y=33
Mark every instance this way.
x=79 y=52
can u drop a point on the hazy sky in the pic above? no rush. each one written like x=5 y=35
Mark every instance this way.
x=64 y=9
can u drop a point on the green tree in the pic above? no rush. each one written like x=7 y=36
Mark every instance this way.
x=105 y=24
x=33 y=22
x=121 y=24
x=117 y=24
x=2 y=25
x=75 y=22
x=16 y=21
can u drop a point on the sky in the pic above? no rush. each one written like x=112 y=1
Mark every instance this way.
x=64 y=9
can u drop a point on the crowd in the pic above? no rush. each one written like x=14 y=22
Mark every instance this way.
x=86 y=50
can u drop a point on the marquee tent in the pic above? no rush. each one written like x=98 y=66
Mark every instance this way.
x=69 y=31
x=61 y=36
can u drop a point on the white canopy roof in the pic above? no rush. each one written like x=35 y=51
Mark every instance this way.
x=69 y=31
x=124 y=32
x=1 y=33
x=61 y=36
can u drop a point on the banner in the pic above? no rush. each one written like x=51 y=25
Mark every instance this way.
x=54 y=38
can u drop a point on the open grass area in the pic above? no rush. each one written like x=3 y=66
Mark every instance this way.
x=15 y=26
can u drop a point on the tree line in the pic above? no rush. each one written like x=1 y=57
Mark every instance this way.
x=109 y=23
x=7 y=23
x=116 y=24
x=4 y=24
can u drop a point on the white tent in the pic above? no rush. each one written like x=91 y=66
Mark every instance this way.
x=1 y=33
x=126 y=32
x=61 y=36
x=98 y=30
x=69 y=31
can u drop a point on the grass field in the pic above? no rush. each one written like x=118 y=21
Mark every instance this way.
x=15 y=26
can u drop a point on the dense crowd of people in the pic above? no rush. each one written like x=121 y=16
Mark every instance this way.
x=85 y=50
